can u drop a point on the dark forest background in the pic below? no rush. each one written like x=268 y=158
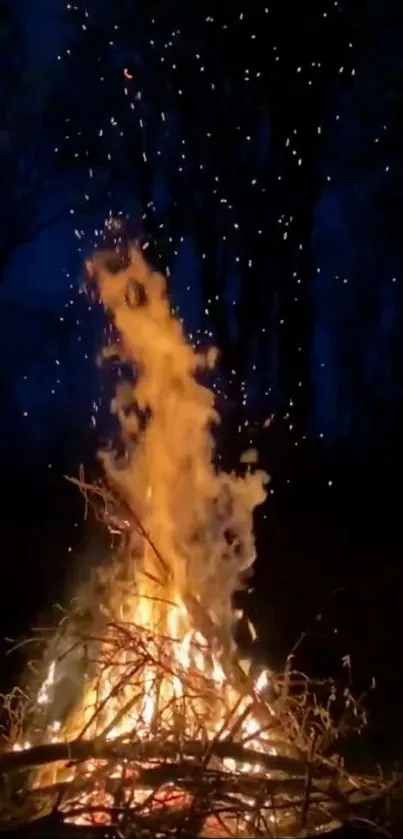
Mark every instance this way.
x=256 y=151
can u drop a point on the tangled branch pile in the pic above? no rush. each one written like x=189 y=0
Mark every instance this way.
x=172 y=742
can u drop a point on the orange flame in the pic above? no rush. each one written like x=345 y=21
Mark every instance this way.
x=155 y=670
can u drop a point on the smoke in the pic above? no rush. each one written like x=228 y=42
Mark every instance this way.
x=199 y=518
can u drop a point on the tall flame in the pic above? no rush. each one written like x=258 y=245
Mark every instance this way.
x=199 y=518
x=159 y=668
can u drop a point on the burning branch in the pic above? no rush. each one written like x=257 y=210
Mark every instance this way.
x=118 y=516
x=209 y=764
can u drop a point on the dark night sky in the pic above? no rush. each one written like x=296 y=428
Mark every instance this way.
x=46 y=272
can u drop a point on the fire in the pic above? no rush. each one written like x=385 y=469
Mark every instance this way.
x=145 y=721
x=160 y=677
x=167 y=687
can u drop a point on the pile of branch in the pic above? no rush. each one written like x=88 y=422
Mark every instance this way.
x=209 y=757
x=180 y=792
x=267 y=769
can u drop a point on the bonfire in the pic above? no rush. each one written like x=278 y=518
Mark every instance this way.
x=143 y=721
